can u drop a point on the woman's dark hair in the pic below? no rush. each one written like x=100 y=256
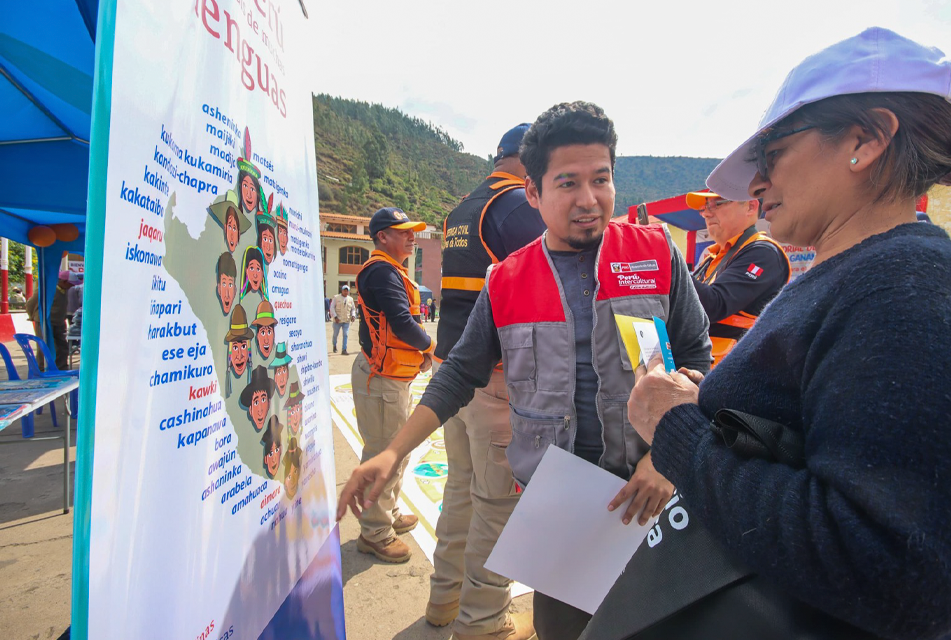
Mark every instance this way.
x=265 y=227
x=565 y=124
x=917 y=158
x=253 y=253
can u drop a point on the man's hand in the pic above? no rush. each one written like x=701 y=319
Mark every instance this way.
x=656 y=392
x=650 y=490
x=427 y=363
x=374 y=473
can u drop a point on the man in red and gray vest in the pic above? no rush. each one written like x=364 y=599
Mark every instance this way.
x=494 y=220
x=548 y=312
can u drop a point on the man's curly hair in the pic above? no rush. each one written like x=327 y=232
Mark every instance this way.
x=562 y=125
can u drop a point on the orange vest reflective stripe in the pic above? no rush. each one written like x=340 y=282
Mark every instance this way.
x=390 y=357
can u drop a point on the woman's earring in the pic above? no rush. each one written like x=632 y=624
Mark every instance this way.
x=855 y=160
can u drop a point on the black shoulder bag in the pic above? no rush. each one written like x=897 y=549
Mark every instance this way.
x=683 y=585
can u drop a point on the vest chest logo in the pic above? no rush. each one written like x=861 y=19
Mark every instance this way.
x=628 y=276
x=632 y=267
x=636 y=282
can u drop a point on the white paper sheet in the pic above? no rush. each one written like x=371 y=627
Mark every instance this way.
x=561 y=539
x=647 y=339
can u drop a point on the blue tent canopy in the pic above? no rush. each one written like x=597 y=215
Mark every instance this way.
x=47 y=60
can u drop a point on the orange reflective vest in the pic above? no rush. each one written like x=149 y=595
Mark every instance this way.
x=390 y=357
x=710 y=266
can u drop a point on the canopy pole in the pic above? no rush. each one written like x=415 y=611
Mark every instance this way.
x=4 y=276
x=28 y=271
x=41 y=298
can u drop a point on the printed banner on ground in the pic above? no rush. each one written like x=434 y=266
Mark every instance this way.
x=426 y=472
x=212 y=508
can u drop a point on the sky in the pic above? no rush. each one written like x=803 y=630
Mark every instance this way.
x=678 y=78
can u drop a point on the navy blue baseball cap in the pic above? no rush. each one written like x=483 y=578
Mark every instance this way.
x=394 y=217
x=508 y=145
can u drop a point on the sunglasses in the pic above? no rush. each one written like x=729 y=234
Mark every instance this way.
x=764 y=164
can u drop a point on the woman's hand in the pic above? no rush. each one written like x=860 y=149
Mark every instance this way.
x=656 y=392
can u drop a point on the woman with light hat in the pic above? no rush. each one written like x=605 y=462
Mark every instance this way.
x=826 y=487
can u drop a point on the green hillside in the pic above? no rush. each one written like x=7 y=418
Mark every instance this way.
x=647 y=178
x=370 y=156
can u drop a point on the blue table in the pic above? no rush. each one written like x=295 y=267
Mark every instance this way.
x=19 y=398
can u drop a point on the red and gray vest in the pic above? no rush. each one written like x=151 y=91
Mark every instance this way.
x=633 y=276
x=466 y=257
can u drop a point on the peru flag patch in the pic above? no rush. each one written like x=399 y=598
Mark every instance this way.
x=753 y=271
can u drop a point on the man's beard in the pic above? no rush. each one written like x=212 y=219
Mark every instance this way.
x=584 y=244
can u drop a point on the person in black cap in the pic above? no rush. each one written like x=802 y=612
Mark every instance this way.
x=395 y=348
x=489 y=224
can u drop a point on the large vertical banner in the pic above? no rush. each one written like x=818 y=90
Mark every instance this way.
x=211 y=512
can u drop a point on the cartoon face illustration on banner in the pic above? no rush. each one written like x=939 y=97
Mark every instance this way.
x=250 y=191
x=226 y=289
x=227 y=213
x=281 y=220
x=254 y=272
x=239 y=354
x=256 y=397
x=265 y=321
x=292 y=468
x=280 y=365
x=249 y=179
x=266 y=242
x=266 y=239
x=254 y=277
x=271 y=440
x=238 y=339
x=294 y=408
x=231 y=228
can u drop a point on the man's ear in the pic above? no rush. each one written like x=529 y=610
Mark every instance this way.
x=532 y=193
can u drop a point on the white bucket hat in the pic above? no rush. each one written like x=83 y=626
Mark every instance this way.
x=876 y=60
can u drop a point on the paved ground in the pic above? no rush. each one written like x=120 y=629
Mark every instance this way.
x=35 y=536
x=382 y=601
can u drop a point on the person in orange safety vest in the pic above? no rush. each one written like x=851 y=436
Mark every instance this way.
x=394 y=349
x=740 y=273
